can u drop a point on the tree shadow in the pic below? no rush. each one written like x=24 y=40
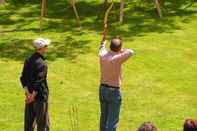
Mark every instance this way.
x=143 y=19
x=16 y=49
x=70 y=49
x=140 y=19
x=177 y=4
x=19 y=49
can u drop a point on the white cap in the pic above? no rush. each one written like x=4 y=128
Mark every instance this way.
x=41 y=42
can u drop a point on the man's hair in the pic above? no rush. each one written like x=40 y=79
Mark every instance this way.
x=116 y=44
x=147 y=126
x=190 y=125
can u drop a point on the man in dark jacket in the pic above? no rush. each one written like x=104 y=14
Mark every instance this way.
x=34 y=82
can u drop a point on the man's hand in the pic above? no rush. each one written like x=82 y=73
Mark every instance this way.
x=104 y=37
x=103 y=43
x=122 y=50
x=30 y=98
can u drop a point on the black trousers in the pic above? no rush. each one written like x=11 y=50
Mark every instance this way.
x=36 y=113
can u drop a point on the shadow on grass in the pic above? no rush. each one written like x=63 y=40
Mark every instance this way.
x=18 y=49
x=15 y=49
x=69 y=50
x=139 y=20
x=143 y=19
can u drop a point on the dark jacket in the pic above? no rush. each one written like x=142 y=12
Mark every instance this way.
x=34 y=76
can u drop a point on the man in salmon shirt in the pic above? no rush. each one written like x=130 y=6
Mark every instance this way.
x=110 y=82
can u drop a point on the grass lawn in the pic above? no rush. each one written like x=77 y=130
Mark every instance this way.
x=159 y=82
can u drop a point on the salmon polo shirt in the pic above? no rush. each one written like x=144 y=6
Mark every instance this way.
x=110 y=65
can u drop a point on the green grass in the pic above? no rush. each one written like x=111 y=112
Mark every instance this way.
x=159 y=82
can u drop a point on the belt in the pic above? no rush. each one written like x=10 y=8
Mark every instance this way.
x=111 y=87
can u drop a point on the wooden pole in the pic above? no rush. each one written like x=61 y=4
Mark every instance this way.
x=122 y=2
x=45 y=7
x=42 y=13
x=72 y=2
x=2 y=2
x=157 y=4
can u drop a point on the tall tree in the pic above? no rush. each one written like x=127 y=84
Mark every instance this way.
x=73 y=4
x=122 y=3
x=158 y=7
x=2 y=1
x=42 y=12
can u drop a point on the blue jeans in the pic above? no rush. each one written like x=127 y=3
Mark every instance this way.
x=110 y=102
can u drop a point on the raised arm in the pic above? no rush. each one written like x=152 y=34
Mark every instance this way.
x=102 y=48
x=124 y=55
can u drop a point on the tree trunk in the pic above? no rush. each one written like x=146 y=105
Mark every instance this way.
x=43 y=8
x=42 y=13
x=2 y=1
x=157 y=4
x=72 y=2
x=122 y=2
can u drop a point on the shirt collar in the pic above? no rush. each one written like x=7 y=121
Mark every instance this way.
x=40 y=55
x=113 y=52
